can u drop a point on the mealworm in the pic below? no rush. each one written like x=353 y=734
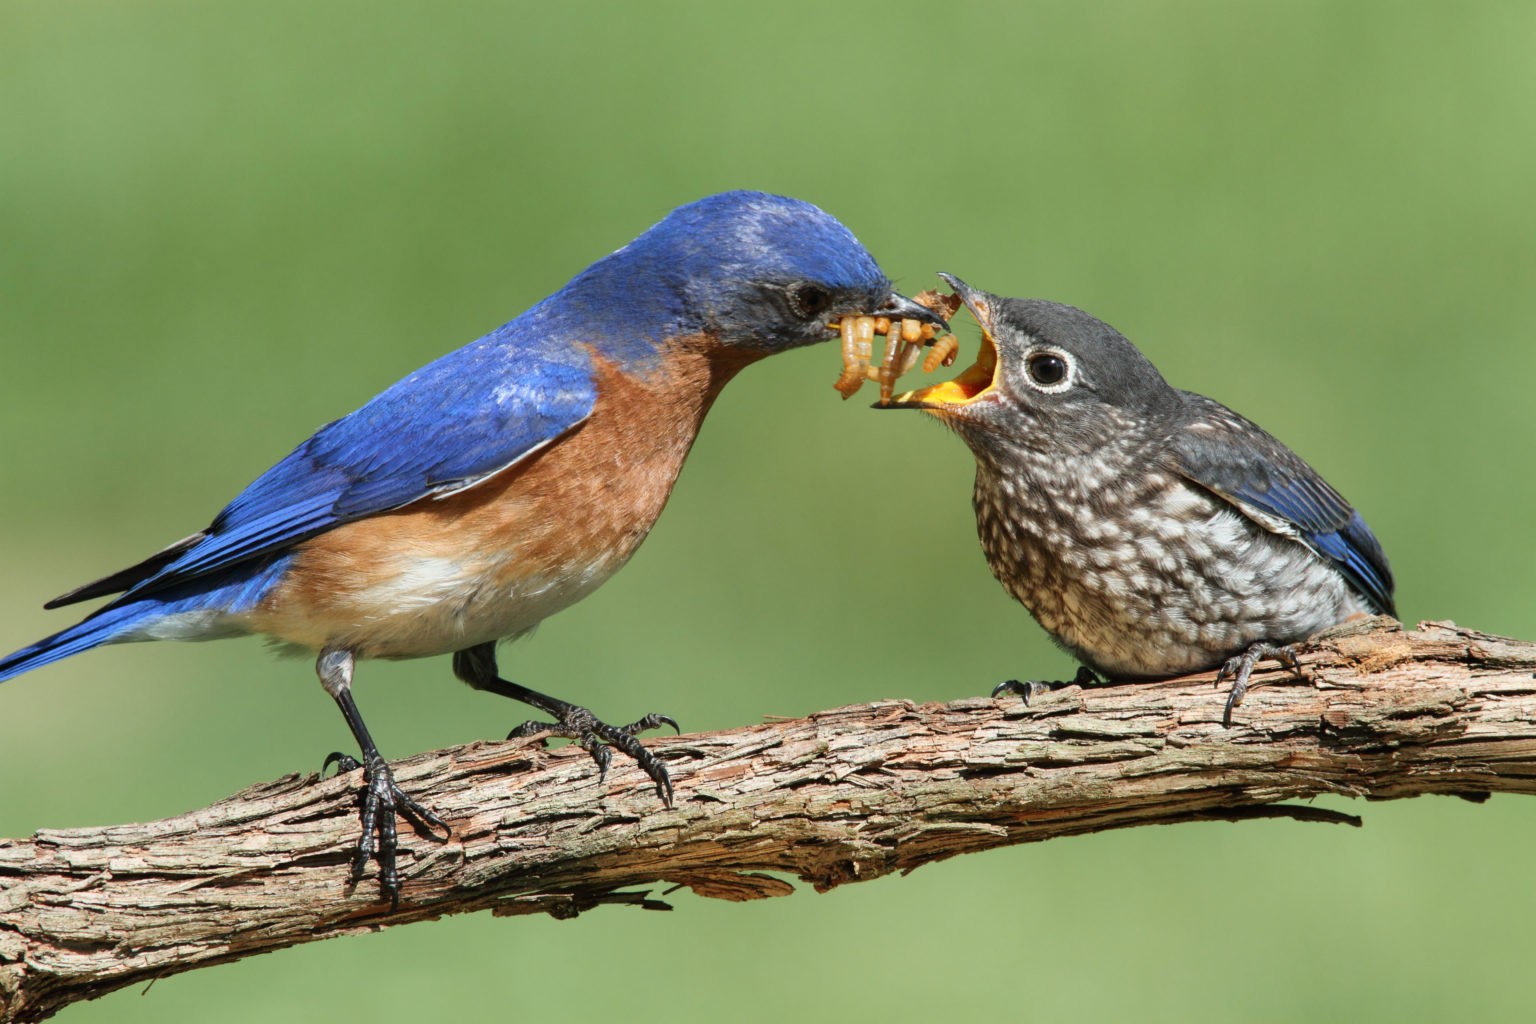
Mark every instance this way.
x=904 y=343
x=942 y=354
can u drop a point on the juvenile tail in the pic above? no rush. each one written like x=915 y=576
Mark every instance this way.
x=109 y=626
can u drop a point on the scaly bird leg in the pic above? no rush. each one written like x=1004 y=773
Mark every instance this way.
x=380 y=798
x=477 y=667
x=1240 y=666
x=1031 y=688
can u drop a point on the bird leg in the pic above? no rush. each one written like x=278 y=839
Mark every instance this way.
x=477 y=667
x=1240 y=666
x=1031 y=688
x=381 y=799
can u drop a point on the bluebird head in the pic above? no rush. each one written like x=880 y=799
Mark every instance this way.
x=1048 y=376
x=758 y=272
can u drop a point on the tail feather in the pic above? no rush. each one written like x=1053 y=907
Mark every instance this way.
x=126 y=579
x=202 y=609
x=111 y=625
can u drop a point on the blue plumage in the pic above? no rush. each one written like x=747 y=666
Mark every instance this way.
x=480 y=409
x=445 y=427
x=503 y=481
x=1244 y=464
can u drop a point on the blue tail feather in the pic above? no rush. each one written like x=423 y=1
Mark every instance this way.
x=100 y=629
x=137 y=619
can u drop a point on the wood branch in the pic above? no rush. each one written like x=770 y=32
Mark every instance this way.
x=841 y=796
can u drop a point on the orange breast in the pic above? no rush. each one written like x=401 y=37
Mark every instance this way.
x=493 y=560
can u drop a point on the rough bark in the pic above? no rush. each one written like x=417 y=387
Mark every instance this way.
x=841 y=796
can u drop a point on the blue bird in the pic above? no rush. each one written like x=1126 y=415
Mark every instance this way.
x=1151 y=531
x=499 y=484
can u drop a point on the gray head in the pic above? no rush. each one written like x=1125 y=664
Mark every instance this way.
x=1048 y=377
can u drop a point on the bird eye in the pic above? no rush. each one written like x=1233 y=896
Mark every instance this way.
x=1046 y=368
x=809 y=300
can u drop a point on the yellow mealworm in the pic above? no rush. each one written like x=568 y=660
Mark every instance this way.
x=905 y=341
x=890 y=364
x=942 y=354
x=853 y=372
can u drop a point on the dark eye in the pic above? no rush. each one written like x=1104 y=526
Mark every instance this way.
x=1046 y=368
x=809 y=300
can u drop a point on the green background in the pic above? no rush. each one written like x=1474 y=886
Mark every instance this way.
x=222 y=225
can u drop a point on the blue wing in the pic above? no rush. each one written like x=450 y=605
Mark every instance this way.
x=448 y=426
x=1236 y=460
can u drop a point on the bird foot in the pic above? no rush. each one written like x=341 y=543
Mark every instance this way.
x=380 y=800
x=1031 y=688
x=599 y=739
x=1240 y=666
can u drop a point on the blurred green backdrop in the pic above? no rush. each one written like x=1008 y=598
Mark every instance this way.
x=222 y=225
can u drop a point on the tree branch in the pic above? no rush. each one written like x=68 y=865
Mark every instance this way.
x=845 y=795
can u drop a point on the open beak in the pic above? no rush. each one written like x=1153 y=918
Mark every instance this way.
x=974 y=381
x=899 y=307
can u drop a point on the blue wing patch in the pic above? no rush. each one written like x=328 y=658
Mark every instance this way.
x=1237 y=460
x=448 y=426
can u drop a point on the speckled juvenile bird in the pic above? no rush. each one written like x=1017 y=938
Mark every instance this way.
x=1151 y=531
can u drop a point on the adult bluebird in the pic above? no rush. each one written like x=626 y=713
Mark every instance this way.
x=503 y=482
x=1151 y=531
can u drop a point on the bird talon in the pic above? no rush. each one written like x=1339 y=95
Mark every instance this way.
x=1240 y=667
x=532 y=728
x=651 y=721
x=1030 y=688
x=1234 y=699
x=648 y=762
x=344 y=763
x=380 y=800
x=477 y=666
x=601 y=753
x=1025 y=689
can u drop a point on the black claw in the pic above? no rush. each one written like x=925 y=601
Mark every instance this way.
x=381 y=800
x=600 y=739
x=477 y=667
x=528 y=729
x=344 y=763
x=600 y=753
x=1031 y=688
x=652 y=721
x=1240 y=667
x=625 y=740
x=1234 y=698
x=1026 y=689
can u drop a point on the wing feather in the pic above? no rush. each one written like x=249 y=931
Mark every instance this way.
x=448 y=426
x=1238 y=461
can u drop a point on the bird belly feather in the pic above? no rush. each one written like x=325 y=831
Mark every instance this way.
x=495 y=559
x=1151 y=581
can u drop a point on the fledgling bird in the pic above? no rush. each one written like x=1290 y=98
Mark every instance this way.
x=502 y=482
x=1151 y=531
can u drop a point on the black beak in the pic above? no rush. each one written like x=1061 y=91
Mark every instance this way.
x=898 y=307
x=965 y=291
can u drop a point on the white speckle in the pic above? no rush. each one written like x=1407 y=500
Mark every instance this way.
x=1134 y=570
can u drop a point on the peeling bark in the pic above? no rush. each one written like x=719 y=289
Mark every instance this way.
x=844 y=795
